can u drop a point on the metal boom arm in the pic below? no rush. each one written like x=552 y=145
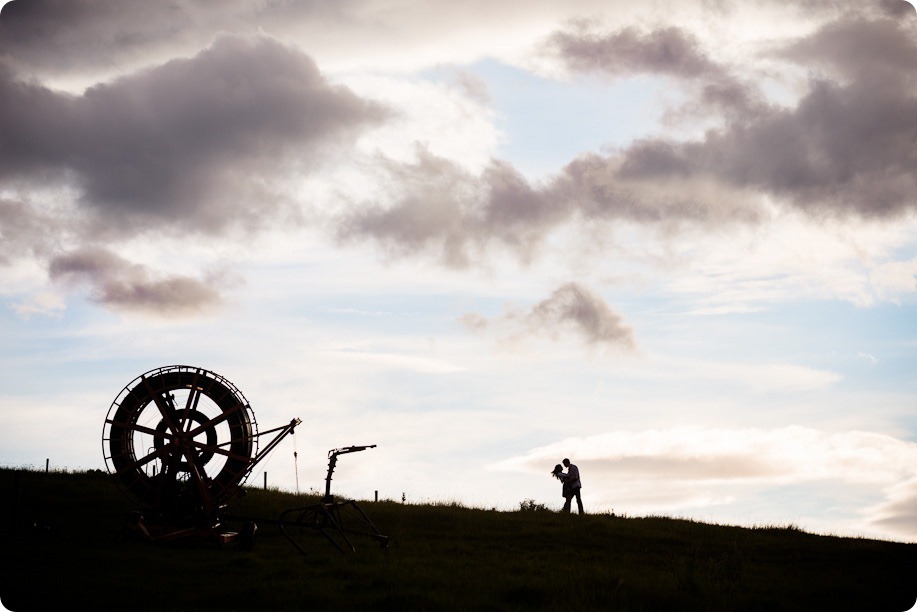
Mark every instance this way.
x=332 y=462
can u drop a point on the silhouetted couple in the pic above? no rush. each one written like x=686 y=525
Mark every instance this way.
x=571 y=484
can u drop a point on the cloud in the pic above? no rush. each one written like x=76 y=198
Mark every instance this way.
x=669 y=50
x=193 y=145
x=65 y=37
x=898 y=512
x=429 y=198
x=712 y=88
x=899 y=8
x=202 y=146
x=857 y=47
x=840 y=152
x=892 y=279
x=435 y=206
x=118 y=284
x=48 y=304
x=571 y=308
x=845 y=148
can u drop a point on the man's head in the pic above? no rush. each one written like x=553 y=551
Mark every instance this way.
x=566 y=463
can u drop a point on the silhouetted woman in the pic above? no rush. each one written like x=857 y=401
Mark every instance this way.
x=566 y=489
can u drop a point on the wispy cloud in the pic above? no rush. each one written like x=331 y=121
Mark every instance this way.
x=47 y=304
x=570 y=309
x=121 y=285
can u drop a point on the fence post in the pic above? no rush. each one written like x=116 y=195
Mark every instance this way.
x=47 y=462
x=265 y=481
x=377 y=495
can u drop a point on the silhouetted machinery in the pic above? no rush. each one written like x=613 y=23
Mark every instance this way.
x=182 y=440
x=332 y=518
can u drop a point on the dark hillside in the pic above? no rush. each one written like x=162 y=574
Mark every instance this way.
x=64 y=546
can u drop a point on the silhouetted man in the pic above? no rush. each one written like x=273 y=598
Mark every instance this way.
x=575 y=484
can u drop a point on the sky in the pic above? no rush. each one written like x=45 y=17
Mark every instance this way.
x=674 y=242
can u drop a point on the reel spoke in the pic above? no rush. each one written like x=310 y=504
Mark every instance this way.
x=215 y=421
x=216 y=450
x=141 y=429
x=191 y=405
x=157 y=454
x=164 y=408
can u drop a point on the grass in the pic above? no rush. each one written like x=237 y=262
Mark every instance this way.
x=64 y=546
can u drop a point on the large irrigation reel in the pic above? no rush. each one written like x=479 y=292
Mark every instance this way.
x=181 y=441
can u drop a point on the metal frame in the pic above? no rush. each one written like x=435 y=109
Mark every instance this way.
x=333 y=519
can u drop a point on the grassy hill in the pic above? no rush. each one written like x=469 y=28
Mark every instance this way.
x=64 y=546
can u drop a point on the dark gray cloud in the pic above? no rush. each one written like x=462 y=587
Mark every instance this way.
x=44 y=32
x=843 y=149
x=571 y=308
x=427 y=213
x=898 y=8
x=670 y=50
x=186 y=144
x=436 y=206
x=121 y=285
x=846 y=147
x=69 y=37
x=858 y=48
x=196 y=146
